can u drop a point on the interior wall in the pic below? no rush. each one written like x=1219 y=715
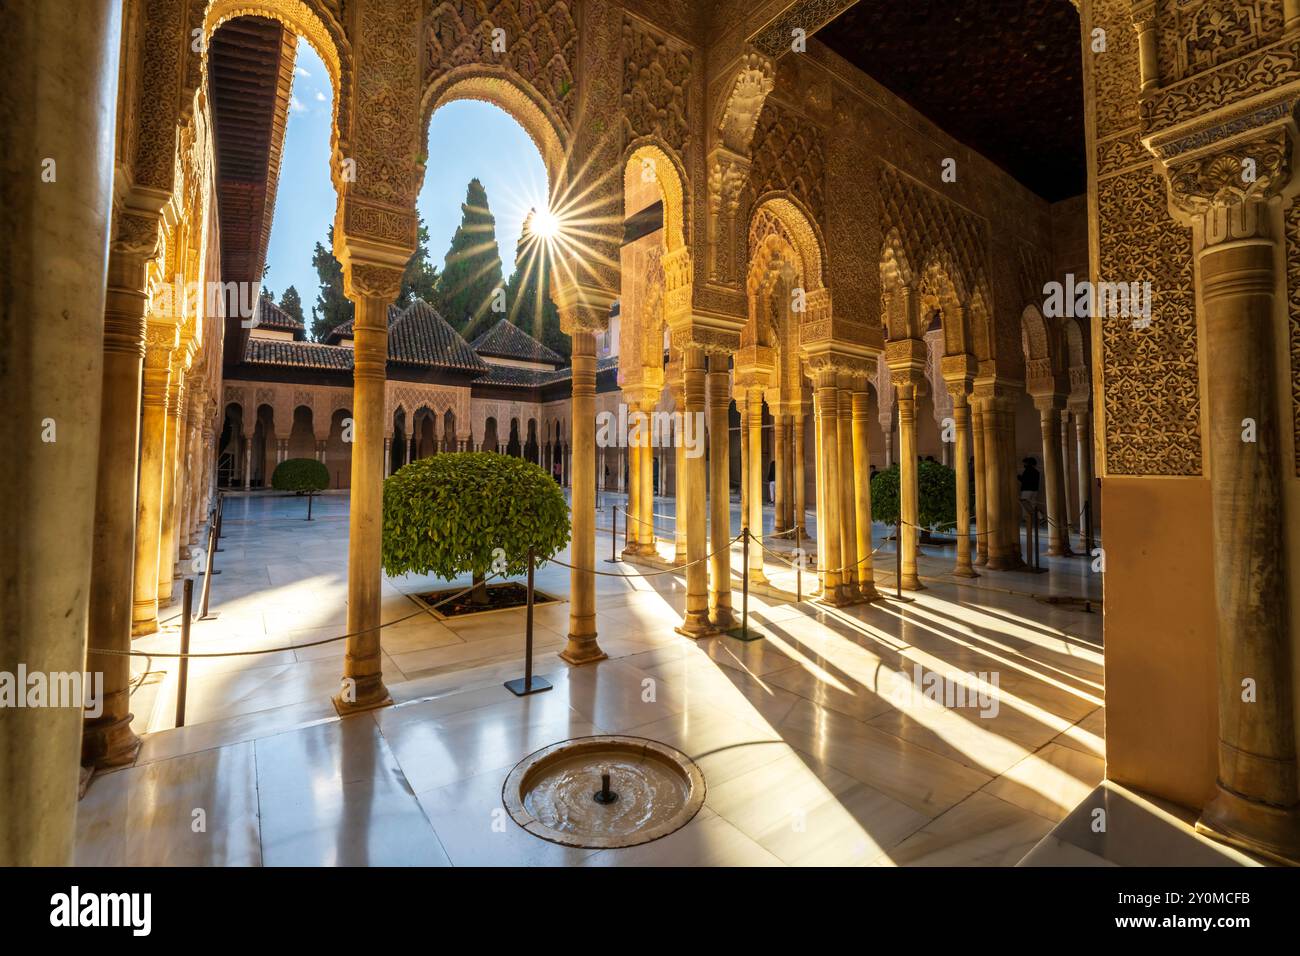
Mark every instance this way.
x=1160 y=634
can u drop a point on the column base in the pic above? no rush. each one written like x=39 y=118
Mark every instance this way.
x=1063 y=552
x=1272 y=832
x=371 y=694
x=981 y=560
x=964 y=571
x=696 y=626
x=758 y=578
x=868 y=594
x=109 y=744
x=144 y=627
x=722 y=619
x=912 y=583
x=582 y=649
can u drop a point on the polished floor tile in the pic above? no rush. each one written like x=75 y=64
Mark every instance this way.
x=816 y=747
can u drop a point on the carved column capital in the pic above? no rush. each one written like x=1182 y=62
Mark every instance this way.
x=1252 y=169
x=367 y=280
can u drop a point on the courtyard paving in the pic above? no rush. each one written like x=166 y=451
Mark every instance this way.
x=816 y=746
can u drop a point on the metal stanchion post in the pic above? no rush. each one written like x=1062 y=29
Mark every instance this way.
x=221 y=510
x=204 y=615
x=798 y=565
x=310 y=496
x=528 y=684
x=1087 y=517
x=187 y=603
x=744 y=585
x=613 y=535
x=898 y=558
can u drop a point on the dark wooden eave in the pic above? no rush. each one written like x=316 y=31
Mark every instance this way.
x=250 y=72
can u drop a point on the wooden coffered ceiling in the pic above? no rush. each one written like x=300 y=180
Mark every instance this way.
x=1005 y=77
x=250 y=72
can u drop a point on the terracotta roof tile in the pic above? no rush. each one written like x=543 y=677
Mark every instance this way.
x=271 y=316
x=297 y=354
x=505 y=340
x=420 y=336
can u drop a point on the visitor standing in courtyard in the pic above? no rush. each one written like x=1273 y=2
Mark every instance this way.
x=1029 y=480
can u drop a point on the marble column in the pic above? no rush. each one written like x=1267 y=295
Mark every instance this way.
x=800 y=493
x=981 y=514
x=780 y=452
x=160 y=342
x=1067 y=499
x=905 y=383
x=107 y=740
x=961 y=451
x=1255 y=804
x=679 y=474
x=582 y=647
x=848 y=496
x=647 y=516
x=742 y=406
x=754 y=478
x=185 y=485
x=388 y=457
x=248 y=462
x=58 y=96
x=1049 y=423
x=720 y=491
x=819 y=484
x=1083 y=441
x=862 y=489
x=173 y=430
x=632 y=524
x=695 y=622
x=372 y=289
x=829 y=553
x=1011 y=511
x=787 y=472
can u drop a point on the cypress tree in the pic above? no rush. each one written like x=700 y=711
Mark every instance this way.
x=471 y=273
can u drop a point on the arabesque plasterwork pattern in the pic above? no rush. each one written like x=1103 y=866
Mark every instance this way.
x=1292 y=231
x=1198 y=35
x=1151 y=375
x=656 y=86
x=540 y=40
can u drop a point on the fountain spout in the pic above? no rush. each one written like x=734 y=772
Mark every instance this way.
x=604 y=795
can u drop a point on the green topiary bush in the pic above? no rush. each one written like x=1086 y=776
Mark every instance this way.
x=448 y=514
x=936 y=495
x=302 y=475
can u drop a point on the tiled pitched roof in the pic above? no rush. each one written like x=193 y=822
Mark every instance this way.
x=271 y=316
x=420 y=336
x=298 y=354
x=344 y=329
x=514 y=375
x=532 y=377
x=505 y=340
x=341 y=331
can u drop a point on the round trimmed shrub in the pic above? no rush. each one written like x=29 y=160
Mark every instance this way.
x=448 y=514
x=936 y=495
x=301 y=475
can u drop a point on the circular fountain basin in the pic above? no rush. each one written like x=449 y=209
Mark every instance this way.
x=557 y=793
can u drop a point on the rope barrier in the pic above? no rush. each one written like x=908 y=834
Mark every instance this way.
x=641 y=521
x=675 y=569
x=277 y=650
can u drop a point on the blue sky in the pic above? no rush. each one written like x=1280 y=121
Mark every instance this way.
x=466 y=139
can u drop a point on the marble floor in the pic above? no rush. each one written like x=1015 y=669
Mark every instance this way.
x=819 y=743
